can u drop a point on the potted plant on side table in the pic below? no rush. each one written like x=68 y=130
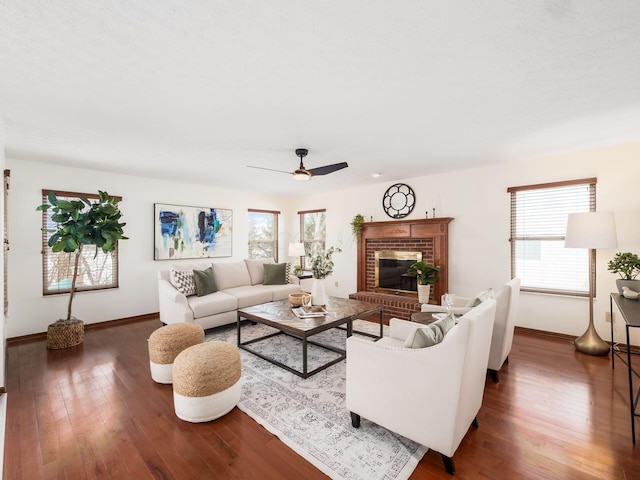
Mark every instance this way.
x=426 y=275
x=627 y=265
x=80 y=223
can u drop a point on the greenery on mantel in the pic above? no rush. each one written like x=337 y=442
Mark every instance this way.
x=82 y=222
x=356 y=226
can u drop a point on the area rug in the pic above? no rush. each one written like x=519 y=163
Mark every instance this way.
x=309 y=415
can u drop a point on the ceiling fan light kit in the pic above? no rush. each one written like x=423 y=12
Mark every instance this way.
x=302 y=174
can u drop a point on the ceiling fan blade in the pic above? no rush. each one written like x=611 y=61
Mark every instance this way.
x=270 y=169
x=328 y=168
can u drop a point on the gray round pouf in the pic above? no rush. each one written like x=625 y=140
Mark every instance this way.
x=166 y=343
x=206 y=381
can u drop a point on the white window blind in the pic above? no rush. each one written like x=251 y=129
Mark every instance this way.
x=95 y=271
x=263 y=234
x=313 y=233
x=538 y=225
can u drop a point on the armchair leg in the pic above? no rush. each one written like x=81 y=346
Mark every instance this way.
x=448 y=464
x=494 y=375
x=355 y=420
x=475 y=422
x=506 y=360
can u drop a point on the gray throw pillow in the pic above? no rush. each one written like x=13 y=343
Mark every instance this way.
x=275 y=273
x=481 y=297
x=205 y=282
x=424 y=337
x=431 y=334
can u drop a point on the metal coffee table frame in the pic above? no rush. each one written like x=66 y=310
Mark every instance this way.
x=279 y=315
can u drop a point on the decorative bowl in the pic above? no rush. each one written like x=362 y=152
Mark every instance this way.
x=299 y=299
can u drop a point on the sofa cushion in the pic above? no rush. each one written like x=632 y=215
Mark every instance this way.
x=281 y=292
x=218 y=302
x=275 y=274
x=231 y=274
x=256 y=268
x=250 y=295
x=183 y=281
x=205 y=282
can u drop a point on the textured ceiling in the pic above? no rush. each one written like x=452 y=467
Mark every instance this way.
x=196 y=90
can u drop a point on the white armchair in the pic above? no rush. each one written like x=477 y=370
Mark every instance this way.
x=503 y=326
x=429 y=395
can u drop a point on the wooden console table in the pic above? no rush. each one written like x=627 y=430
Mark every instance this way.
x=630 y=310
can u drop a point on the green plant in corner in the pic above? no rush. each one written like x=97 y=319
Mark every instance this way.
x=356 y=226
x=80 y=223
x=626 y=264
x=425 y=273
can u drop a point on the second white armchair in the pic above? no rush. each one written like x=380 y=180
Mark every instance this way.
x=503 y=327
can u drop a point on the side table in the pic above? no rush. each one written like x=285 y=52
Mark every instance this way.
x=630 y=310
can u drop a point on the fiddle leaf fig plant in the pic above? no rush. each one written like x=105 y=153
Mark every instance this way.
x=80 y=223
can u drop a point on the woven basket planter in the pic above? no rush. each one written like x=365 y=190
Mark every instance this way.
x=65 y=334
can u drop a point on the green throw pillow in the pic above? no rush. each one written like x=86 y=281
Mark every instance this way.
x=481 y=297
x=275 y=273
x=205 y=282
x=430 y=335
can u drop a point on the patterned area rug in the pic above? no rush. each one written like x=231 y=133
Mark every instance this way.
x=309 y=415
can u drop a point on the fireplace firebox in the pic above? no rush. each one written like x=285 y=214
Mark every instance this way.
x=391 y=271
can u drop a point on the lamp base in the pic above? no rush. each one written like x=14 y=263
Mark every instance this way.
x=591 y=343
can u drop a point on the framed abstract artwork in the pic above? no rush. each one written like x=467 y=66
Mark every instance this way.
x=191 y=232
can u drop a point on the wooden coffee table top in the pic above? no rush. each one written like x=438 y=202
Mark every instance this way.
x=279 y=314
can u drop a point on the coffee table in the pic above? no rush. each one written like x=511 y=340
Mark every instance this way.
x=279 y=315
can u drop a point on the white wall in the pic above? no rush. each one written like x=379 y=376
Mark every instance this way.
x=137 y=295
x=2 y=265
x=479 y=252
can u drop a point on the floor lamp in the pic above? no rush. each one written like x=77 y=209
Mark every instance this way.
x=591 y=230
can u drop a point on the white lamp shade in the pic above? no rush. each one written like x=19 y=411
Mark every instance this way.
x=591 y=230
x=296 y=250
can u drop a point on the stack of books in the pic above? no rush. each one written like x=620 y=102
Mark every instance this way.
x=309 y=311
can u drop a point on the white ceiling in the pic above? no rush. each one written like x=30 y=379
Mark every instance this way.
x=196 y=90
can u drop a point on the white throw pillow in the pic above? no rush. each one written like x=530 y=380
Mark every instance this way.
x=183 y=281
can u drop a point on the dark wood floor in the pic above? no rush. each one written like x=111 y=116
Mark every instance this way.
x=93 y=412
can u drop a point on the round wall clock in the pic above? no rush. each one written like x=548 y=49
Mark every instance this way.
x=398 y=201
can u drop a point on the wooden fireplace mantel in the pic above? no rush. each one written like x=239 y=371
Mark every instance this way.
x=436 y=229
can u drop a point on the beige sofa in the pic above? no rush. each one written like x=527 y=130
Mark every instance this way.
x=240 y=284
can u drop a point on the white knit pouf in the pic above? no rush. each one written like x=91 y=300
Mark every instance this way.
x=166 y=343
x=206 y=381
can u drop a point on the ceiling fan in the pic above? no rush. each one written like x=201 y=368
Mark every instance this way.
x=302 y=173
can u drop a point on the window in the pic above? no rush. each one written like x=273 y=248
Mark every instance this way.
x=538 y=225
x=95 y=271
x=312 y=232
x=263 y=234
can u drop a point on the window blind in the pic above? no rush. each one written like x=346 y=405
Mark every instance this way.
x=96 y=271
x=538 y=226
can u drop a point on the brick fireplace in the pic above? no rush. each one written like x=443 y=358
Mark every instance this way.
x=429 y=236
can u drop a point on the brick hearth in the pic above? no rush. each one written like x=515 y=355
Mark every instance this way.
x=398 y=306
